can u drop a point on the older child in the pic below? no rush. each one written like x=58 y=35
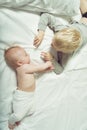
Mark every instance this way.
x=23 y=101
x=54 y=23
x=67 y=38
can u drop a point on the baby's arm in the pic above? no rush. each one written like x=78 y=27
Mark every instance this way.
x=43 y=23
x=44 y=67
x=33 y=68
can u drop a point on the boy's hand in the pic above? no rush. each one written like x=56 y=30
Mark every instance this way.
x=46 y=56
x=38 y=39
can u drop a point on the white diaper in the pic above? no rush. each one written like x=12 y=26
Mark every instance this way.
x=23 y=105
x=24 y=100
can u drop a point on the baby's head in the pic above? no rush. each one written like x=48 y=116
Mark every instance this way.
x=16 y=56
x=67 y=40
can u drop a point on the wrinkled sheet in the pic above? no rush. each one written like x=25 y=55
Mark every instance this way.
x=58 y=7
x=61 y=100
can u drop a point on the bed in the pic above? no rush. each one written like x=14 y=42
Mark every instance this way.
x=61 y=100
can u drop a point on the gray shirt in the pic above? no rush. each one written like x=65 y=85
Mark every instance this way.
x=82 y=28
x=52 y=21
x=56 y=25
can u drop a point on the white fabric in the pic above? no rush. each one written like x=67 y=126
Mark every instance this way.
x=23 y=105
x=58 y=7
x=61 y=100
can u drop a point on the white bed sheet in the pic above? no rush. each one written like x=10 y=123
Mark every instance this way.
x=61 y=100
x=57 y=7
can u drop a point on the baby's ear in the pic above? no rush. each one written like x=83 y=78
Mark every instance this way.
x=19 y=63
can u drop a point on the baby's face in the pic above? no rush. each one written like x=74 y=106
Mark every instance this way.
x=23 y=57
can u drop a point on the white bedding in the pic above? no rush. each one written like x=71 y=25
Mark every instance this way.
x=58 y=7
x=61 y=100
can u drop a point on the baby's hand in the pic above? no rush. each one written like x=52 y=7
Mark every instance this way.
x=49 y=65
x=38 y=39
x=46 y=56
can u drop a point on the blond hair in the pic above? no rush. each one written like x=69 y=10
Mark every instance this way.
x=67 y=39
x=11 y=56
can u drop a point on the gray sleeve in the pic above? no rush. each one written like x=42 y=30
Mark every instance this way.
x=46 y=20
x=58 y=69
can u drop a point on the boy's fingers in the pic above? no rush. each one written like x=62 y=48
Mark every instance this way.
x=37 y=44
x=36 y=40
x=36 y=37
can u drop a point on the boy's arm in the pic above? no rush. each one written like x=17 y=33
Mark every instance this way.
x=45 y=20
x=38 y=39
x=48 y=57
x=58 y=69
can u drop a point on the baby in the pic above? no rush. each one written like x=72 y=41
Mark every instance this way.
x=23 y=100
